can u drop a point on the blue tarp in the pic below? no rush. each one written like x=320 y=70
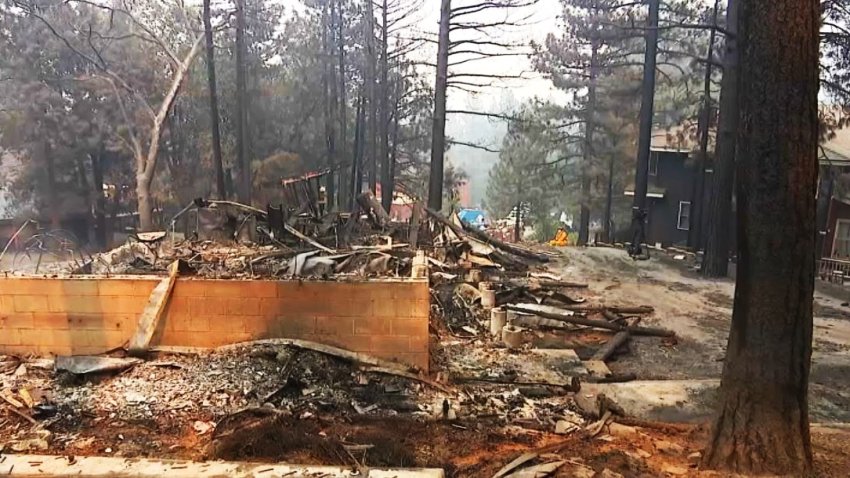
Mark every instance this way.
x=472 y=216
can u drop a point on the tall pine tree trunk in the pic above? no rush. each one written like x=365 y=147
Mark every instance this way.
x=609 y=203
x=328 y=93
x=394 y=151
x=647 y=112
x=695 y=232
x=716 y=260
x=763 y=421
x=589 y=124
x=438 y=134
x=342 y=99
x=99 y=199
x=386 y=181
x=357 y=163
x=241 y=107
x=371 y=63
x=330 y=185
x=221 y=190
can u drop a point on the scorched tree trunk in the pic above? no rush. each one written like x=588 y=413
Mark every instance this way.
x=763 y=422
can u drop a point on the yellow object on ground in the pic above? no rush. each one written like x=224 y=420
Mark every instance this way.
x=561 y=238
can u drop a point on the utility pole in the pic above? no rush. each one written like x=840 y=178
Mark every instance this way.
x=647 y=107
x=438 y=136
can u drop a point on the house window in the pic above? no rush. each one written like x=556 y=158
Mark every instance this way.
x=841 y=245
x=653 y=163
x=684 y=222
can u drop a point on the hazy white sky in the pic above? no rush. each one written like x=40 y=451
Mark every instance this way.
x=538 y=21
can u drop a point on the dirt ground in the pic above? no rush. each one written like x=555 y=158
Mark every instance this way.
x=472 y=445
x=700 y=311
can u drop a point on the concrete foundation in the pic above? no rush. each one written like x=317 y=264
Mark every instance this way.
x=77 y=316
x=102 y=467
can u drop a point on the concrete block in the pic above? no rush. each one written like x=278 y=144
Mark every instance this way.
x=412 y=327
x=260 y=288
x=256 y=326
x=16 y=321
x=419 y=343
x=207 y=306
x=35 y=337
x=87 y=321
x=177 y=306
x=372 y=326
x=51 y=321
x=188 y=288
x=194 y=323
x=227 y=324
x=224 y=288
x=119 y=287
x=271 y=307
x=334 y=326
x=30 y=286
x=293 y=326
x=123 y=304
x=243 y=306
x=7 y=303
x=16 y=349
x=9 y=336
x=85 y=287
x=30 y=303
x=390 y=343
x=384 y=308
x=74 y=304
x=357 y=344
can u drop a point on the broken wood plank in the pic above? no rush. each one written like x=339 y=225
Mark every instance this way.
x=596 y=368
x=606 y=351
x=618 y=340
x=22 y=415
x=385 y=366
x=516 y=463
x=316 y=244
x=151 y=315
x=600 y=324
x=561 y=283
x=11 y=401
x=465 y=230
x=613 y=378
x=641 y=309
x=537 y=471
x=83 y=364
x=26 y=397
x=400 y=373
x=573 y=386
x=369 y=202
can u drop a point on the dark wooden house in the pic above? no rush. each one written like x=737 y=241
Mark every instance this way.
x=671 y=199
x=670 y=196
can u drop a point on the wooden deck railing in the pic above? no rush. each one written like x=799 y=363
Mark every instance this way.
x=833 y=270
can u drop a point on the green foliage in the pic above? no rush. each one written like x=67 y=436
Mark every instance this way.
x=599 y=51
x=522 y=174
x=545 y=227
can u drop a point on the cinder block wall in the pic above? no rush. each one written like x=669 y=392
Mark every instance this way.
x=385 y=318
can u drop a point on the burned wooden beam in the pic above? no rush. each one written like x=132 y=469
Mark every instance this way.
x=465 y=230
x=600 y=324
